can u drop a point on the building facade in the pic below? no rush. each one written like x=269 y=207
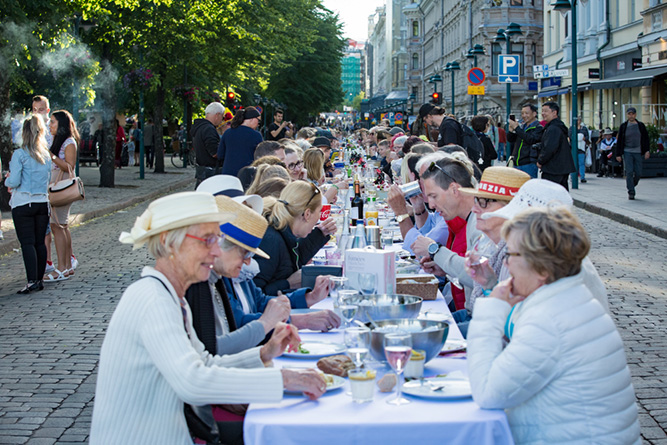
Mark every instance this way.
x=353 y=69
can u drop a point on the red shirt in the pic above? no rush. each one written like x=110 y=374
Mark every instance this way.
x=502 y=136
x=458 y=244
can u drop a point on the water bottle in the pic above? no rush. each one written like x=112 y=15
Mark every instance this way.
x=359 y=241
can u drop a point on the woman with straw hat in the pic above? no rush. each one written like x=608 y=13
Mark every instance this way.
x=496 y=188
x=152 y=362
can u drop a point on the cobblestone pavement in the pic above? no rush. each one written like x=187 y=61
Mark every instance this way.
x=50 y=340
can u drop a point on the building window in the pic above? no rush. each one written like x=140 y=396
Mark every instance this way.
x=415 y=61
x=656 y=21
x=415 y=28
x=652 y=3
x=516 y=2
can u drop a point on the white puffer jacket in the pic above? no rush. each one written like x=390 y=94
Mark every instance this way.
x=563 y=377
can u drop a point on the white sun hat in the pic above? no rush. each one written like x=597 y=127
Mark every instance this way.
x=228 y=185
x=173 y=212
x=533 y=193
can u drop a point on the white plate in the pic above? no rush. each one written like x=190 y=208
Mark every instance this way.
x=316 y=349
x=454 y=346
x=338 y=382
x=451 y=389
x=435 y=316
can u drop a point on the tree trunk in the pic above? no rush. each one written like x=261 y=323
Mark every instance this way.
x=108 y=99
x=158 y=139
x=6 y=147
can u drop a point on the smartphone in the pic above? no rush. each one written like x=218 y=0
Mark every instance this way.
x=512 y=117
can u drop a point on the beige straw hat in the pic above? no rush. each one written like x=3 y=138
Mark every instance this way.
x=173 y=212
x=247 y=230
x=500 y=183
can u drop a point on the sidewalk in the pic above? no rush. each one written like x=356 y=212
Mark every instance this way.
x=129 y=190
x=608 y=197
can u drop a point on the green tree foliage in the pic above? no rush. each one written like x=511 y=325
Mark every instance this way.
x=312 y=82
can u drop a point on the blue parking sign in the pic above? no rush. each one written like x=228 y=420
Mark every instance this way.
x=508 y=68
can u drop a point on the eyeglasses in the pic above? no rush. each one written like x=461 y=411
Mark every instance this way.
x=295 y=165
x=316 y=191
x=434 y=166
x=245 y=253
x=508 y=254
x=209 y=241
x=484 y=202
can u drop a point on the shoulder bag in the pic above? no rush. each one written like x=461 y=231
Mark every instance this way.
x=65 y=191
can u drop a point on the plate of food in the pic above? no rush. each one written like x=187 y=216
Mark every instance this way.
x=439 y=388
x=333 y=382
x=315 y=349
x=454 y=345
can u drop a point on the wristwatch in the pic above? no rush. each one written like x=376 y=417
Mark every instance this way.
x=433 y=249
x=401 y=218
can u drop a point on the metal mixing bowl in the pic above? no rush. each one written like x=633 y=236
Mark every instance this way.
x=430 y=342
x=385 y=306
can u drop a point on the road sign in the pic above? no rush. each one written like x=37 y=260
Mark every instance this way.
x=398 y=117
x=550 y=73
x=259 y=108
x=476 y=90
x=508 y=69
x=476 y=76
x=540 y=67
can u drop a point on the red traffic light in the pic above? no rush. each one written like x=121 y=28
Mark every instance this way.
x=231 y=96
x=435 y=98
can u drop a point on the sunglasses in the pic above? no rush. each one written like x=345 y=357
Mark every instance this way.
x=434 y=166
x=295 y=165
x=209 y=241
x=508 y=254
x=484 y=202
x=316 y=191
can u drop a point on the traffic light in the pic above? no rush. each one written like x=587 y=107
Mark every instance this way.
x=231 y=100
x=436 y=99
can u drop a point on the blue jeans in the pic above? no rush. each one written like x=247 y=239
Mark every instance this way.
x=501 y=150
x=633 y=170
x=582 y=164
x=531 y=169
x=462 y=319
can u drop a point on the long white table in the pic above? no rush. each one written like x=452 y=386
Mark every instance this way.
x=334 y=419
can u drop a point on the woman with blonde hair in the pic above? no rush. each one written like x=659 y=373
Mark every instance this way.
x=63 y=154
x=265 y=172
x=313 y=162
x=293 y=236
x=27 y=181
x=271 y=187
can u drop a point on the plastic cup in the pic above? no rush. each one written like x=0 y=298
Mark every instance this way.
x=326 y=211
x=362 y=384
x=387 y=238
x=414 y=369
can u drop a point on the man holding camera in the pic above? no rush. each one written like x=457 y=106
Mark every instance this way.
x=279 y=128
x=524 y=137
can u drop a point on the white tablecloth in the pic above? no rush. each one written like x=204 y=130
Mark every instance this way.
x=334 y=419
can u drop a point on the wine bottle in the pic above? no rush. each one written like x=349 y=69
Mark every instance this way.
x=357 y=207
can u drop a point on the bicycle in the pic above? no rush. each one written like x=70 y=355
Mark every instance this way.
x=177 y=156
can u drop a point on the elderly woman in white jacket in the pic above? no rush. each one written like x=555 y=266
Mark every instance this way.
x=152 y=362
x=563 y=376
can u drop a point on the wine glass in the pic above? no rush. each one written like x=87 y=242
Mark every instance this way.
x=398 y=349
x=343 y=299
x=357 y=340
x=347 y=312
x=367 y=283
x=337 y=283
x=481 y=250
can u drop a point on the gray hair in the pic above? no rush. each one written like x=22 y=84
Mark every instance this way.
x=227 y=245
x=172 y=243
x=431 y=157
x=215 y=108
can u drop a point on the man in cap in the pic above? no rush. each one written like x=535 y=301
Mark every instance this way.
x=632 y=147
x=205 y=140
x=450 y=131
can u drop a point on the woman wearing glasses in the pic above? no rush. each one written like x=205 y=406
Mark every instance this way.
x=563 y=377
x=151 y=361
x=294 y=163
x=292 y=237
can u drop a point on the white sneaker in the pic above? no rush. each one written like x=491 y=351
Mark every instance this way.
x=75 y=262
x=2 y=236
x=49 y=267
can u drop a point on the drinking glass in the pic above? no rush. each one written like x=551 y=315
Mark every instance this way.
x=387 y=238
x=348 y=312
x=398 y=349
x=367 y=283
x=337 y=283
x=343 y=299
x=357 y=340
x=481 y=250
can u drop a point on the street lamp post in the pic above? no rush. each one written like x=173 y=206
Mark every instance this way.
x=472 y=54
x=506 y=36
x=563 y=6
x=453 y=67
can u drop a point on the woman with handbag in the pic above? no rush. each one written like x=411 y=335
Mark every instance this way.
x=27 y=180
x=63 y=155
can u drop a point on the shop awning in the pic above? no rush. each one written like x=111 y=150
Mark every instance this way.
x=396 y=95
x=553 y=91
x=637 y=78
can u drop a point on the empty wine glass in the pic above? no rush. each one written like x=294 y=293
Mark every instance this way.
x=357 y=340
x=397 y=349
x=367 y=283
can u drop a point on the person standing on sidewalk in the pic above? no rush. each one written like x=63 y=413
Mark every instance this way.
x=148 y=142
x=205 y=140
x=632 y=145
x=524 y=137
x=555 y=159
x=582 y=147
x=27 y=181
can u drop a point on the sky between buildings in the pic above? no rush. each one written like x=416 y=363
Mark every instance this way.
x=354 y=15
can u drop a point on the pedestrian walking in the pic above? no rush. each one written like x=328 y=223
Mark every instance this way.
x=583 y=145
x=555 y=159
x=632 y=147
x=28 y=180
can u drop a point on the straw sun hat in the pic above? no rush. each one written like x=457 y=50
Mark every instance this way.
x=173 y=212
x=247 y=230
x=500 y=183
x=534 y=193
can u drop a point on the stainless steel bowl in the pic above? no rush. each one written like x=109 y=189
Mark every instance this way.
x=385 y=306
x=430 y=342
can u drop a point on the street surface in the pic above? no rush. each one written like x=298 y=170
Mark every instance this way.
x=50 y=340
